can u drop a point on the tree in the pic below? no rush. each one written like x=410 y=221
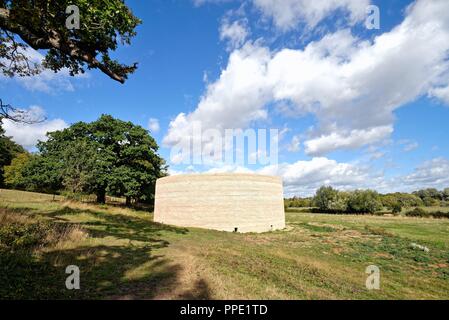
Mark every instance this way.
x=364 y=201
x=41 y=25
x=17 y=115
x=330 y=199
x=429 y=193
x=430 y=202
x=106 y=156
x=8 y=150
x=396 y=208
x=84 y=170
x=42 y=174
x=446 y=194
x=13 y=172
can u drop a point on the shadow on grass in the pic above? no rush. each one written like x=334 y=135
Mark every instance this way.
x=130 y=271
x=116 y=225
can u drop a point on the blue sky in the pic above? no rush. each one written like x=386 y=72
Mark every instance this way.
x=357 y=108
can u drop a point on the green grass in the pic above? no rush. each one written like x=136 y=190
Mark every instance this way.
x=122 y=254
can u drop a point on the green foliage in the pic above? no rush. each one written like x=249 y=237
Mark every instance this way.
x=418 y=212
x=396 y=208
x=296 y=202
x=329 y=199
x=42 y=174
x=364 y=201
x=19 y=236
x=403 y=199
x=13 y=172
x=431 y=196
x=8 y=150
x=83 y=170
x=105 y=156
x=446 y=194
x=42 y=25
x=430 y=202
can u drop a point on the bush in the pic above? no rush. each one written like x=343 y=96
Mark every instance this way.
x=328 y=199
x=396 y=208
x=406 y=200
x=439 y=215
x=296 y=202
x=23 y=236
x=364 y=201
x=418 y=212
x=13 y=172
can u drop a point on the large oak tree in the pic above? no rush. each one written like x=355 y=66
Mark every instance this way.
x=41 y=25
x=105 y=156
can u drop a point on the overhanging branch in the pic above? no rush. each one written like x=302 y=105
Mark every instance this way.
x=47 y=39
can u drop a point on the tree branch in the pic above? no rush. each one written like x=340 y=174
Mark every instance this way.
x=17 y=115
x=54 y=40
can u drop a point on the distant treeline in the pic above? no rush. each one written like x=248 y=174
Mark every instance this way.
x=104 y=157
x=331 y=200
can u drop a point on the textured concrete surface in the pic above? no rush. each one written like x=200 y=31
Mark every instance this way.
x=226 y=202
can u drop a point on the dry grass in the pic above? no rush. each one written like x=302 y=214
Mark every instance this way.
x=123 y=254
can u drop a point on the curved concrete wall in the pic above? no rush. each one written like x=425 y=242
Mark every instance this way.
x=250 y=203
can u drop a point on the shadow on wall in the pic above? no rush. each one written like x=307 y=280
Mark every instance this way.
x=130 y=271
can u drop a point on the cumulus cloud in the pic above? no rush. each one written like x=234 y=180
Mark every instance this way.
x=346 y=140
x=46 y=81
x=287 y=14
x=235 y=33
x=304 y=177
x=153 y=125
x=441 y=93
x=351 y=86
x=431 y=174
x=232 y=102
x=27 y=135
x=295 y=144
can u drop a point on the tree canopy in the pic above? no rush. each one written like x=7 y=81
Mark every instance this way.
x=8 y=150
x=41 y=25
x=13 y=172
x=330 y=199
x=105 y=156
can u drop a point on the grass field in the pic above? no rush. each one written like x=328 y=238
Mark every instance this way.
x=122 y=254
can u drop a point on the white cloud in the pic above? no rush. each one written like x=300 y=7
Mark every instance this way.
x=411 y=146
x=346 y=140
x=295 y=144
x=234 y=101
x=28 y=135
x=304 y=177
x=198 y=3
x=153 y=125
x=235 y=33
x=431 y=174
x=441 y=93
x=287 y=14
x=46 y=81
x=351 y=86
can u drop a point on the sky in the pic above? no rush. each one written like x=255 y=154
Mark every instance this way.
x=354 y=107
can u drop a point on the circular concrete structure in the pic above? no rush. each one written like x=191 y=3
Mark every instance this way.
x=225 y=202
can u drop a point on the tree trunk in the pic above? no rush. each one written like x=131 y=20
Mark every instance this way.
x=128 y=201
x=101 y=196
